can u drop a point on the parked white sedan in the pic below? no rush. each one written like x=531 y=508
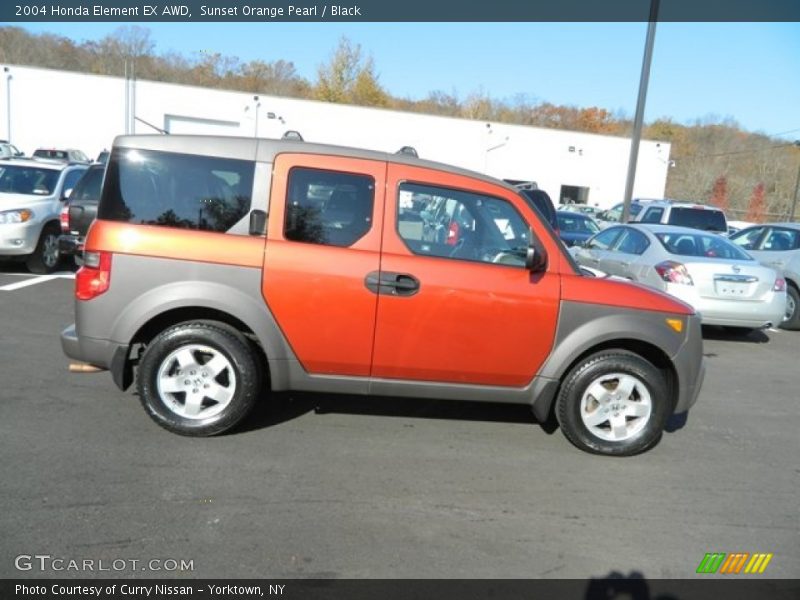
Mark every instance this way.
x=721 y=281
x=777 y=245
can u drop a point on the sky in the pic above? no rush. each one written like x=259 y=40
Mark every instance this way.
x=748 y=72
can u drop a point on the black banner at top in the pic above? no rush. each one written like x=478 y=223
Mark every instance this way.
x=266 y=11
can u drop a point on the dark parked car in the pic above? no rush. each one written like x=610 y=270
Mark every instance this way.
x=80 y=211
x=575 y=228
x=540 y=201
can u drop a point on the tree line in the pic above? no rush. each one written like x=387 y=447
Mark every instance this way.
x=712 y=160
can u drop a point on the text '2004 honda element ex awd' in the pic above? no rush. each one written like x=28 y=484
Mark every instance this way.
x=220 y=269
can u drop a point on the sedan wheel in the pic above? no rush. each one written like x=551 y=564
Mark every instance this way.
x=792 y=318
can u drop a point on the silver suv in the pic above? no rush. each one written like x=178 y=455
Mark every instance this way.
x=31 y=196
x=683 y=214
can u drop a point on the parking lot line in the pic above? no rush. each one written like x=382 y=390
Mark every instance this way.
x=33 y=281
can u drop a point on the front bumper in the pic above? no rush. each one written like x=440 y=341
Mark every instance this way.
x=690 y=365
x=19 y=239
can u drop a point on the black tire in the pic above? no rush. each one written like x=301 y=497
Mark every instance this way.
x=792 y=321
x=643 y=431
x=240 y=379
x=42 y=260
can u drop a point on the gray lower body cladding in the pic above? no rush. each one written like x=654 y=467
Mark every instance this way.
x=143 y=288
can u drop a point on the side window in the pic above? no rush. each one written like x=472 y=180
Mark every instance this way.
x=780 y=240
x=328 y=207
x=72 y=178
x=169 y=189
x=748 y=239
x=634 y=242
x=653 y=215
x=462 y=225
x=605 y=239
x=88 y=188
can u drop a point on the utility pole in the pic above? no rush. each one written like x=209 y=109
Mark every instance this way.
x=639 y=118
x=796 y=187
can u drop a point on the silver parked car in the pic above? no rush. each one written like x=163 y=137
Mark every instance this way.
x=720 y=280
x=32 y=193
x=777 y=245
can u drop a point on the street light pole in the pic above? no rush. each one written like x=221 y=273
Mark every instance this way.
x=8 y=102
x=639 y=118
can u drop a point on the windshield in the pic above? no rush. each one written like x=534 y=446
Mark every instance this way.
x=691 y=244
x=576 y=224
x=34 y=181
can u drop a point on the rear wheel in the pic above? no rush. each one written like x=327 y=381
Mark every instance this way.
x=198 y=379
x=46 y=256
x=613 y=403
x=792 y=318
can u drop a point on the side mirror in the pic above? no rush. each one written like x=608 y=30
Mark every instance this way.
x=535 y=259
x=258 y=222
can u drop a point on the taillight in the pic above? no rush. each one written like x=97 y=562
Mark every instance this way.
x=780 y=285
x=94 y=277
x=674 y=272
x=64 y=218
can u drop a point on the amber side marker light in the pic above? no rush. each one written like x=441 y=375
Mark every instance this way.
x=675 y=324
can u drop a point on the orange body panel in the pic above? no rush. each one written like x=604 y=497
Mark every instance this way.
x=317 y=292
x=180 y=244
x=471 y=323
x=625 y=294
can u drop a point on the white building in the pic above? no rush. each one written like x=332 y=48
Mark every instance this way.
x=49 y=108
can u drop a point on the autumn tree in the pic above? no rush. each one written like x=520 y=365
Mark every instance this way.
x=756 y=210
x=348 y=77
x=719 y=194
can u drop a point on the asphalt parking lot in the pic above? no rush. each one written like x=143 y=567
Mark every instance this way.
x=319 y=486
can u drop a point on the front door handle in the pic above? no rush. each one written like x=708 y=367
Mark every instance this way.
x=391 y=284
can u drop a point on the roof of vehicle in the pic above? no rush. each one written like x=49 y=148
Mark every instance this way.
x=265 y=150
x=661 y=228
x=679 y=204
x=791 y=225
x=55 y=165
x=574 y=213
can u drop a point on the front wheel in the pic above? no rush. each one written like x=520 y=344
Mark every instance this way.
x=791 y=320
x=615 y=403
x=198 y=379
x=46 y=256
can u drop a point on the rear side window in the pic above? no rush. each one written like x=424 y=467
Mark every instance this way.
x=780 y=239
x=710 y=246
x=146 y=187
x=698 y=218
x=88 y=188
x=653 y=215
x=328 y=207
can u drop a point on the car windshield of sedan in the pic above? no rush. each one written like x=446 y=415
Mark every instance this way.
x=577 y=224
x=709 y=246
x=33 y=181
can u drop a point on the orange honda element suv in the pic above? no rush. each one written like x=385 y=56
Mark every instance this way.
x=222 y=269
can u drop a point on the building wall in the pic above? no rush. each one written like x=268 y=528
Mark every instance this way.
x=64 y=109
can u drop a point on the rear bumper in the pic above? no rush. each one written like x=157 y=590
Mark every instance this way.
x=734 y=313
x=100 y=353
x=70 y=244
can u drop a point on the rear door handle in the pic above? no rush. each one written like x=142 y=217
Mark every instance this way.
x=391 y=284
